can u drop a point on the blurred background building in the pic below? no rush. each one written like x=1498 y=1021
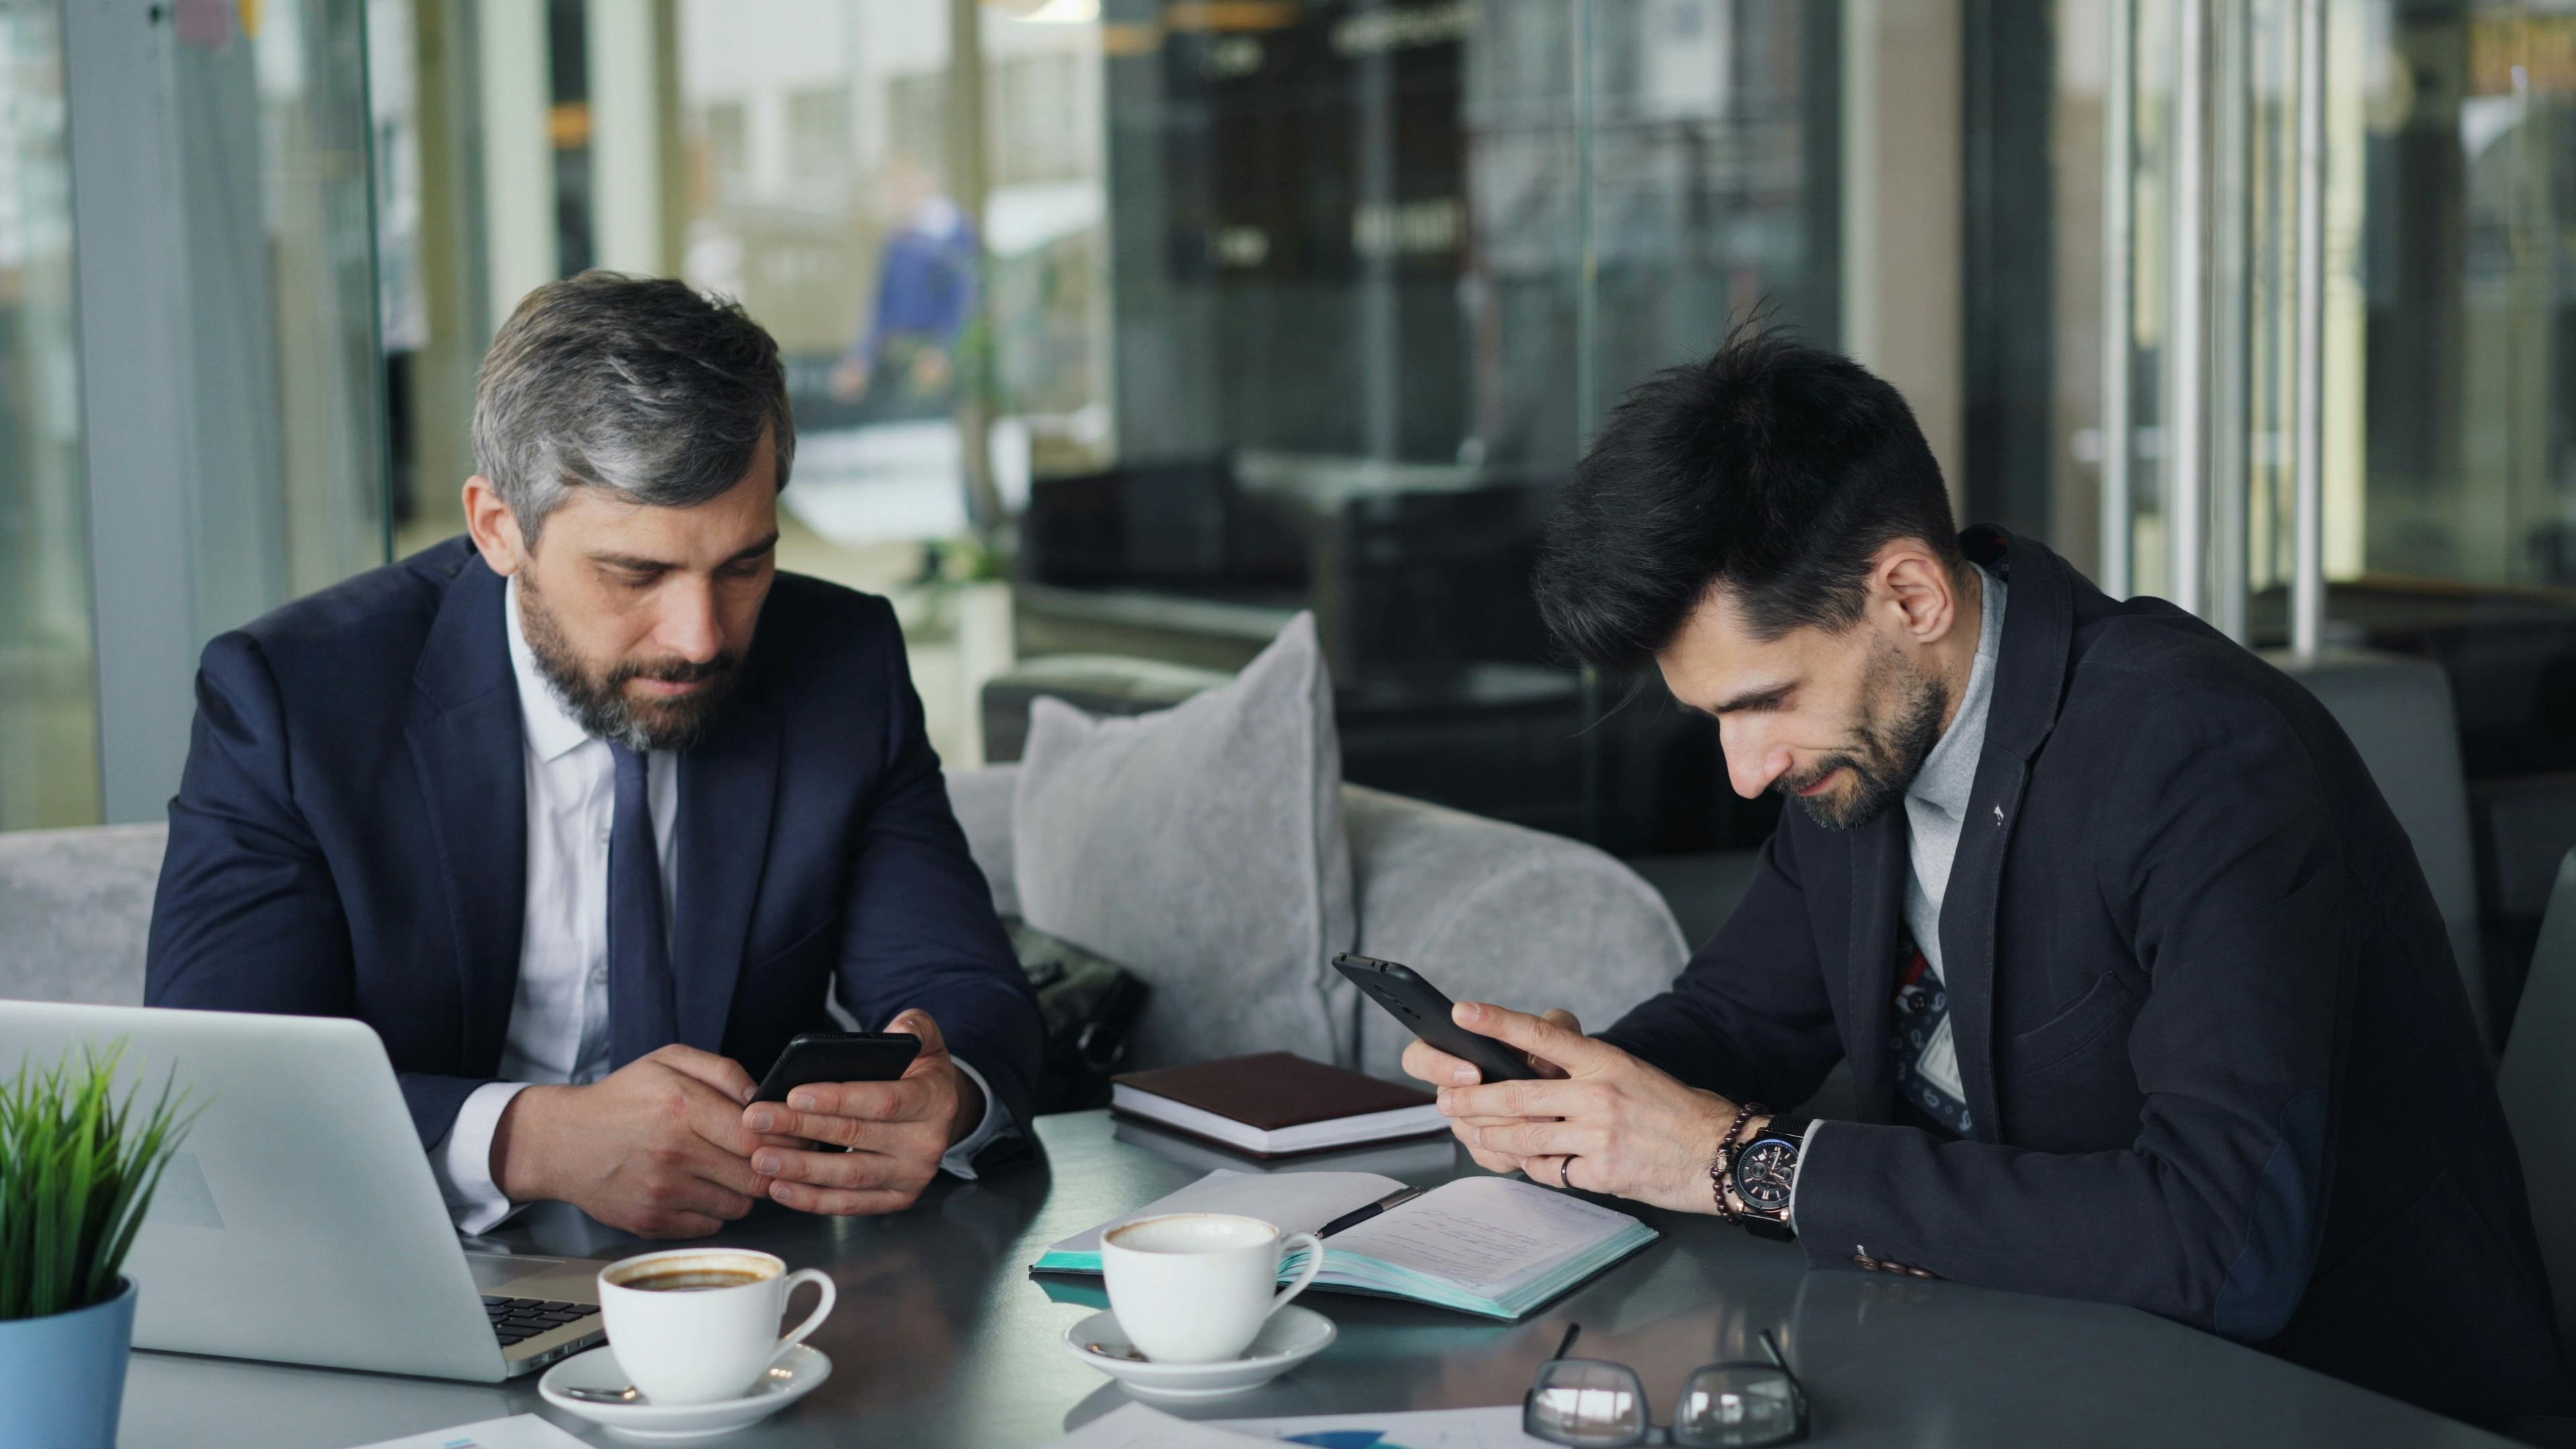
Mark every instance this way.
x=1121 y=330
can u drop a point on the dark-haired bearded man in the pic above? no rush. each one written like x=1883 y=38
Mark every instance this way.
x=2143 y=994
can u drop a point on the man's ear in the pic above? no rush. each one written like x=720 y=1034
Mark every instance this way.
x=1916 y=590
x=493 y=527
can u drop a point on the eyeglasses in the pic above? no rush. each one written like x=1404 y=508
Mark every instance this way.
x=1588 y=1403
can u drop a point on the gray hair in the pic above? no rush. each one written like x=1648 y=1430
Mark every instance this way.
x=638 y=385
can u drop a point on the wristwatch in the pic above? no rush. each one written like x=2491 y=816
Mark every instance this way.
x=1764 y=1172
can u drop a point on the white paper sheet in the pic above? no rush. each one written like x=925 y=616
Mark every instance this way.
x=1298 y=1202
x=1142 y=1426
x=1483 y=1233
x=519 y=1431
x=1495 y=1428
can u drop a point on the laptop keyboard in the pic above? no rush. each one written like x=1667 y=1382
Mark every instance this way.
x=515 y=1319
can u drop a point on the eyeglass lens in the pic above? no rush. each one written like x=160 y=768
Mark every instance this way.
x=1736 y=1405
x=1588 y=1405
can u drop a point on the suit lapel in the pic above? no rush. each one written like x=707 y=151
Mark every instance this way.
x=467 y=750
x=1878 y=898
x=2030 y=676
x=1968 y=930
x=728 y=788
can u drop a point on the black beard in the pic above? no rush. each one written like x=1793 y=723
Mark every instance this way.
x=1885 y=755
x=598 y=702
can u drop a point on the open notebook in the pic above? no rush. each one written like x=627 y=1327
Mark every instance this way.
x=1495 y=1246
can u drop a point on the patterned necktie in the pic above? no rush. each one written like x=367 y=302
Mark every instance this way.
x=643 y=1003
x=1927 y=1061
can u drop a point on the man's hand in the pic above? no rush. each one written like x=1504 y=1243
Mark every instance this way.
x=1429 y=1063
x=657 y=1148
x=896 y=1132
x=1610 y=1124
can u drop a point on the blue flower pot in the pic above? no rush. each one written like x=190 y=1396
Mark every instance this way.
x=63 y=1376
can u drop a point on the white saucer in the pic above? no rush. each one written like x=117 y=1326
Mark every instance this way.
x=798 y=1372
x=1292 y=1336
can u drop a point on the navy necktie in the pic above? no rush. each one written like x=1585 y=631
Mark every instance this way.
x=643 y=1003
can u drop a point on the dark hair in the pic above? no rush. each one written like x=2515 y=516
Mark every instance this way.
x=638 y=385
x=1773 y=469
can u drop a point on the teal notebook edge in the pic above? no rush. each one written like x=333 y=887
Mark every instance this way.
x=1053 y=1268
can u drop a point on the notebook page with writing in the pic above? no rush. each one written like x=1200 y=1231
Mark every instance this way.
x=1487 y=1235
x=1299 y=1202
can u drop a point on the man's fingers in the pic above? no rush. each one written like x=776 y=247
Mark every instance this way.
x=840 y=1169
x=1493 y=1121
x=676 y=1225
x=833 y=1111
x=1539 y=1139
x=1540 y=1037
x=722 y=1073
x=838 y=1202
x=720 y=1171
x=692 y=1207
x=1545 y=1097
x=1427 y=1063
x=918 y=1023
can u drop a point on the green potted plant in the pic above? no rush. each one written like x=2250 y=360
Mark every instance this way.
x=78 y=1163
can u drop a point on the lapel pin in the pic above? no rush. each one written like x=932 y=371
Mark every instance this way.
x=1999 y=815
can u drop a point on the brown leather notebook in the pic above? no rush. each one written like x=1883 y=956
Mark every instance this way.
x=1275 y=1104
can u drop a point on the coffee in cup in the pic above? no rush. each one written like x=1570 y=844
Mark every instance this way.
x=1196 y=1287
x=699 y=1325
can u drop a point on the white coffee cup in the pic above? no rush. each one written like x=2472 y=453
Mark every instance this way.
x=1196 y=1287
x=700 y=1325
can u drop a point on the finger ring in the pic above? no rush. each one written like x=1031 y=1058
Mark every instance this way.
x=1564 y=1165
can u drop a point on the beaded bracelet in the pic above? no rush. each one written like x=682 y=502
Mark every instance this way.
x=1724 y=1162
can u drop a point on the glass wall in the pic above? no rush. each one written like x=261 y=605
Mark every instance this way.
x=191 y=394
x=315 y=131
x=2468 y=274
x=48 y=708
x=1132 y=328
x=2450 y=306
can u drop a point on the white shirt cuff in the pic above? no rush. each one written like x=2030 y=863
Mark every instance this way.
x=1806 y=1149
x=997 y=1124
x=463 y=1163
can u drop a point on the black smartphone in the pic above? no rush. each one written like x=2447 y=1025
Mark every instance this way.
x=1425 y=1012
x=838 y=1056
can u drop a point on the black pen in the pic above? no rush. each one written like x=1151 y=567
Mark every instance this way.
x=1357 y=1216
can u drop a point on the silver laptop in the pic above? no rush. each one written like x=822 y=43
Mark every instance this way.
x=299 y=1221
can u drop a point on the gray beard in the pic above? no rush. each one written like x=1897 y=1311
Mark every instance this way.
x=598 y=702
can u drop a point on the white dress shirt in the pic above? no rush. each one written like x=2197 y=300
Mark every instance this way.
x=559 y=1017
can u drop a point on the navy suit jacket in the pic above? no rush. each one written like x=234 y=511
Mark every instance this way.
x=2219 y=1061
x=349 y=838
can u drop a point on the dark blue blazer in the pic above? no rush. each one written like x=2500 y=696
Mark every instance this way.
x=2218 y=1058
x=349 y=838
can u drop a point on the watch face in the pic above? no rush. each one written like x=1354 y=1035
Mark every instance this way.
x=1763 y=1174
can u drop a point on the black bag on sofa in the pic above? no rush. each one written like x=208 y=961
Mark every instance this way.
x=1090 y=1005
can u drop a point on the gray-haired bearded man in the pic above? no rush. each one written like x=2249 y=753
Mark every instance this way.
x=592 y=809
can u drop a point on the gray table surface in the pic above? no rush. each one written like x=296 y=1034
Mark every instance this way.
x=942 y=1338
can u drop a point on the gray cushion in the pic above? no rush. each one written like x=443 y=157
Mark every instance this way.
x=1502 y=913
x=2397 y=712
x=1201 y=846
x=75 y=910
x=982 y=800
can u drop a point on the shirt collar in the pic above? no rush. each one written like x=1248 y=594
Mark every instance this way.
x=552 y=731
x=1949 y=773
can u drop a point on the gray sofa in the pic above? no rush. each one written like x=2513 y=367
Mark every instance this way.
x=1480 y=906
